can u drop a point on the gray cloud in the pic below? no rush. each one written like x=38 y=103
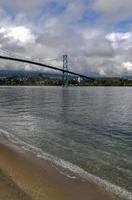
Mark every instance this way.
x=91 y=48
x=113 y=10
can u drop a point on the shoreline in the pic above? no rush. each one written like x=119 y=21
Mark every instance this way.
x=40 y=179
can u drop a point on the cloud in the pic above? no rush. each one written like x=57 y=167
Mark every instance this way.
x=114 y=10
x=116 y=37
x=120 y=40
x=127 y=66
x=43 y=30
x=19 y=34
x=112 y=5
x=22 y=6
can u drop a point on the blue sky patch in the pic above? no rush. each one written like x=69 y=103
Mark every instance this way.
x=89 y=16
x=53 y=8
x=123 y=26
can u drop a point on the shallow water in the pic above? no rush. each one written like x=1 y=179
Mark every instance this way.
x=89 y=127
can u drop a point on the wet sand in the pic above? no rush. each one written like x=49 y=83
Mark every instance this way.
x=9 y=190
x=23 y=177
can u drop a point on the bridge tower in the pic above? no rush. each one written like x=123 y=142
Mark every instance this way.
x=65 y=74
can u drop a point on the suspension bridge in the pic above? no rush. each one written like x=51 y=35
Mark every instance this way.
x=6 y=55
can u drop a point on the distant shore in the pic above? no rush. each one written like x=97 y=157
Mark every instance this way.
x=25 y=177
x=39 y=80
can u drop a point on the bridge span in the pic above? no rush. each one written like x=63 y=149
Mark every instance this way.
x=44 y=65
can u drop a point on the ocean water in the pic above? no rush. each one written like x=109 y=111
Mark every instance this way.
x=85 y=129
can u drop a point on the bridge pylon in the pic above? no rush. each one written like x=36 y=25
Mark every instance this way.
x=65 y=74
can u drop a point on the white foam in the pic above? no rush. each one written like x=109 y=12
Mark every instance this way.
x=122 y=193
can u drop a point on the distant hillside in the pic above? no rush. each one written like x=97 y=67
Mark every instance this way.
x=27 y=74
x=12 y=77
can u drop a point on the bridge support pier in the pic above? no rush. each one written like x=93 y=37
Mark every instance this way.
x=65 y=74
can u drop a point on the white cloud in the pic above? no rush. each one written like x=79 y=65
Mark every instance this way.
x=19 y=34
x=102 y=72
x=115 y=37
x=121 y=41
x=2 y=30
x=127 y=66
x=91 y=49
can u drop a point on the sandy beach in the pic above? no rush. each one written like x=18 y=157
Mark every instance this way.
x=23 y=176
x=9 y=190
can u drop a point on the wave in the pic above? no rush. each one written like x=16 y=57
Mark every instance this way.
x=114 y=189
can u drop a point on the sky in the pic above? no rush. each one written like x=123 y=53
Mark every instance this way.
x=95 y=34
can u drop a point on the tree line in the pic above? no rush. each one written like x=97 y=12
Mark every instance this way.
x=58 y=81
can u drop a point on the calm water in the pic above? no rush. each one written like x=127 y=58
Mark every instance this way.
x=89 y=127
